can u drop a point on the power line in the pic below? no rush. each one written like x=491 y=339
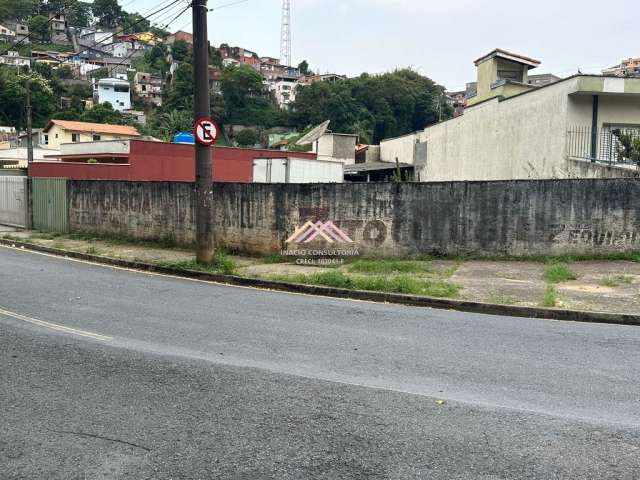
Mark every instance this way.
x=226 y=5
x=170 y=4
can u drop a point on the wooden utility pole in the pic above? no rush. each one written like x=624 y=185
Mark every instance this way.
x=204 y=178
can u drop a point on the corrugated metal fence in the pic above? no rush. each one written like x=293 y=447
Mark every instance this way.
x=13 y=201
x=49 y=204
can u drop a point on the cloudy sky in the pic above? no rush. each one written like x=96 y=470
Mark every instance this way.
x=439 y=39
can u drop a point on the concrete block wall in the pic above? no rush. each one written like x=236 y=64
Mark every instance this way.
x=581 y=216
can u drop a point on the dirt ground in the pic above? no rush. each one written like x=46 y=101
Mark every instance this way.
x=501 y=282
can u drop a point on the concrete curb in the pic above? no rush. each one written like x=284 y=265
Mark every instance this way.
x=380 y=297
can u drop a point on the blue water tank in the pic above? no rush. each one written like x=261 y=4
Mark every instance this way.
x=184 y=137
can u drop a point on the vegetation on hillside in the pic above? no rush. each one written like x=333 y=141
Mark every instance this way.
x=372 y=106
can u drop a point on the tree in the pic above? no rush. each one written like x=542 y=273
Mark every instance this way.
x=372 y=106
x=16 y=9
x=181 y=93
x=134 y=22
x=175 y=121
x=79 y=14
x=303 y=68
x=108 y=13
x=628 y=147
x=245 y=100
x=104 y=113
x=247 y=137
x=39 y=27
x=13 y=94
x=179 y=50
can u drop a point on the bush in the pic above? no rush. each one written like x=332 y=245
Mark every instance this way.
x=247 y=137
x=559 y=272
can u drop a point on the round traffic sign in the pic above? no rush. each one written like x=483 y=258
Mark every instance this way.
x=206 y=131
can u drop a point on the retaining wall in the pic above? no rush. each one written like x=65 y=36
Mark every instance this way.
x=579 y=216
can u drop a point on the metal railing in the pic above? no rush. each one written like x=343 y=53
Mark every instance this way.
x=604 y=145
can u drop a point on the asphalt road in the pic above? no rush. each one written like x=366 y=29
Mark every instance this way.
x=108 y=374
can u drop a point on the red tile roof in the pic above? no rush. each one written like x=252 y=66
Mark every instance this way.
x=94 y=127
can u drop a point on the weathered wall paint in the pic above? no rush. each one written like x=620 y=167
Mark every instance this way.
x=480 y=218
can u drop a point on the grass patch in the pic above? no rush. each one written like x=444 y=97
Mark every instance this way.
x=550 y=298
x=93 y=250
x=273 y=258
x=559 y=272
x=391 y=284
x=383 y=266
x=15 y=238
x=44 y=236
x=617 y=280
x=222 y=264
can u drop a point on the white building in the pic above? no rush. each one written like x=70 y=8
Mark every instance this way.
x=115 y=91
x=566 y=129
x=119 y=49
x=284 y=90
x=14 y=59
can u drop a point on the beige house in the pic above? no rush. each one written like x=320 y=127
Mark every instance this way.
x=6 y=31
x=570 y=128
x=58 y=132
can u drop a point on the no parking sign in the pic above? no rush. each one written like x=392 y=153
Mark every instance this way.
x=206 y=131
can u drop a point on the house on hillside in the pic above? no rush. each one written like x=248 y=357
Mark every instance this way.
x=7 y=34
x=148 y=88
x=179 y=35
x=20 y=31
x=58 y=132
x=626 y=68
x=14 y=59
x=514 y=130
x=116 y=92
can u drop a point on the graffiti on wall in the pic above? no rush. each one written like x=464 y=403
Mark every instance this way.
x=590 y=235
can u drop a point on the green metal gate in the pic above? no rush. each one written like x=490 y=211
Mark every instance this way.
x=49 y=204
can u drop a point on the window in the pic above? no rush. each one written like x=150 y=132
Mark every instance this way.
x=75 y=137
x=45 y=139
x=96 y=138
x=122 y=88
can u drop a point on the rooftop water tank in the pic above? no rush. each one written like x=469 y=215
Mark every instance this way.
x=184 y=137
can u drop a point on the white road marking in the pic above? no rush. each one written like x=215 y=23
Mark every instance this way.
x=55 y=326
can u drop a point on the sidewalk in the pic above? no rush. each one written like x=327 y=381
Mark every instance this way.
x=599 y=286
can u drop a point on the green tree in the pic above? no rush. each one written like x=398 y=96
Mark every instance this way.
x=247 y=137
x=181 y=92
x=372 y=106
x=108 y=13
x=13 y=94
x=628 y=147
x=39 y=27
x=179 y=50
x=245 y=100
x=16 y=9
x=79 y=14
x=103 y=113
x=175 y=121
x=303 y=68
x=134 y=22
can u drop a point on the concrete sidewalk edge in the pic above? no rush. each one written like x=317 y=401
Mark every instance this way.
x=379 y=297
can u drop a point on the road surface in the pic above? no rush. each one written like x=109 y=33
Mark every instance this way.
x=110 y=374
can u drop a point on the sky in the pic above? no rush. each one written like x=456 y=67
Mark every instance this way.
x=438 y=39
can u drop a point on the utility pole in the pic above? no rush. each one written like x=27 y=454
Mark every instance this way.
x=29 y=122
x=204 y=178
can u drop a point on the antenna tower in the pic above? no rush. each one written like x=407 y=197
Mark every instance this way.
x=285 y=34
